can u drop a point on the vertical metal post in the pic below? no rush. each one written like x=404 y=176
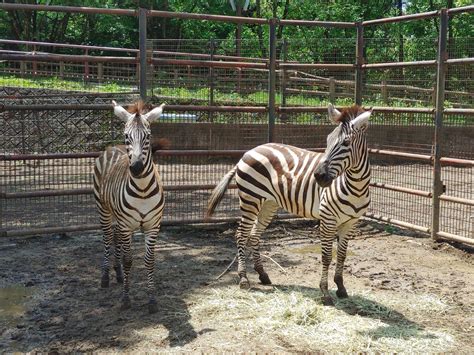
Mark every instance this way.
x=438 y=133
x=271 y=79
x=359 y=62
x=284 y=52
x=212 y=47
x=86 y=66
x=142 y=19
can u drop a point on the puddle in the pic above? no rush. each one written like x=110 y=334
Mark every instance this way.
x=12 y=304
x=316 y=249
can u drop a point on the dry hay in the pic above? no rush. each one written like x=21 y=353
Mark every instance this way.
x=296 y=319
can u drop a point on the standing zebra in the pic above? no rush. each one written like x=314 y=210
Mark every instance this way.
x=278 y=175
x=129 y=192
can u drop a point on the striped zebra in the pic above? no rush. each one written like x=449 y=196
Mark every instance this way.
x=332 y=186
x=129 y=195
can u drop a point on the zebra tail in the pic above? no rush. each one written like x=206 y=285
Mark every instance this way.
x=219 y=192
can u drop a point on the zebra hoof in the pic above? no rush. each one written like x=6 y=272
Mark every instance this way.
x=341 y=293
x=118 y=274
x=327 y=301
x=126 y=304
x=152 y=306
x=264 y=279
x=244 y=284
x=104 y=282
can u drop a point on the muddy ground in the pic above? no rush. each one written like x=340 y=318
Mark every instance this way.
x=50 y=299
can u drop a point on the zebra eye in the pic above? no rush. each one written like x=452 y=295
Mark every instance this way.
x=346 y=141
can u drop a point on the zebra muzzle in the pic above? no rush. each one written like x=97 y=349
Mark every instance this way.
x=136 y=168
x=322 y=178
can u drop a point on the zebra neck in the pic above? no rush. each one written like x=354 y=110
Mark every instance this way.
x=359 y=176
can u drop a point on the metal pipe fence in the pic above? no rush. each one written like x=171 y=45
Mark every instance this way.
x=219 y=104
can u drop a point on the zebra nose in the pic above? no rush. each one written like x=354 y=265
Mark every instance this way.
x=322 y=177
x=137 y=167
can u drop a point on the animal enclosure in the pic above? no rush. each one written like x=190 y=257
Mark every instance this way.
x=220 y=104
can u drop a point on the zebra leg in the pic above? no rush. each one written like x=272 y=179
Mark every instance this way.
x=126 y=243
x=343 y=234
x=107 y=229
x=150 y=243
x=241 y=238
x=328 y=230
x=264 y=218
x=117 y=255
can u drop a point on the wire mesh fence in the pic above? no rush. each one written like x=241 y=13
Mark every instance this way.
x=218 y=97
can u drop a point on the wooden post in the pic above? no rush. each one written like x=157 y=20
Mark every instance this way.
x=61 y=69
x=384 y=92
x=22 y=68
x=86 y=67
x=100 y=71
x=332 y=90
x=35 y=63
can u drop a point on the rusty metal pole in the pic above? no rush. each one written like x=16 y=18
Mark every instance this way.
x=359 y=62
x=284 y=52
x=438 y=133
x=212 y=49
x=271 y=79
x=142 y=19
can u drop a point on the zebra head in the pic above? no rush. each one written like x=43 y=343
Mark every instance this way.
x=346 y=144
x=137 y=134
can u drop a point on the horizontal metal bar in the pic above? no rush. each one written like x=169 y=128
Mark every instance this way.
x=90 y=191
x=13 y=157
x=456 y=161
x=207 y=63
x=55 y=107
x=311 y=23
x=463 y=201
x=67 y=9
x=249 y=109
x=204 y=55
x=87 y=107
x=455 y=238
x=201 y=153
x=460 y=10
x=67 y=45
x=459 y=111
x=329 y=66
x=422 y=157
x=376 y=109
x=397 y=222
x=401 y=189
x=91 y=227
x=207 y=17
x=420 y=16
x=421 y=63
x=460 y=61
x=67 y=58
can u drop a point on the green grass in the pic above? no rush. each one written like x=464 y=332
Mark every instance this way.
x=55 y=83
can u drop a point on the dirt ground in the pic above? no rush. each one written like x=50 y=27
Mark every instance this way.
x=50 y=299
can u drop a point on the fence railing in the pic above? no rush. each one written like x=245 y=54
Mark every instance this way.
x=283 y=80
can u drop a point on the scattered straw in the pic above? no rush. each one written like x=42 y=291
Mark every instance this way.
x=296 y=317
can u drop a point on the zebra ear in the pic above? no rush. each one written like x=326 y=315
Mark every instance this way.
x=333 y=114
x=154 y=114
x=120 y=112
x=361 y=122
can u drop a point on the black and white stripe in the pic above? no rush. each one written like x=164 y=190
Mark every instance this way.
x=332 y=187
x=129 y=195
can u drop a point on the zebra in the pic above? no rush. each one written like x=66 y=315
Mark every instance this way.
x=129 y=192
x=332 y=186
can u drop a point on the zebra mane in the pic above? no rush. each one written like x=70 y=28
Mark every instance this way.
x=138 y=107
x=349 y=113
